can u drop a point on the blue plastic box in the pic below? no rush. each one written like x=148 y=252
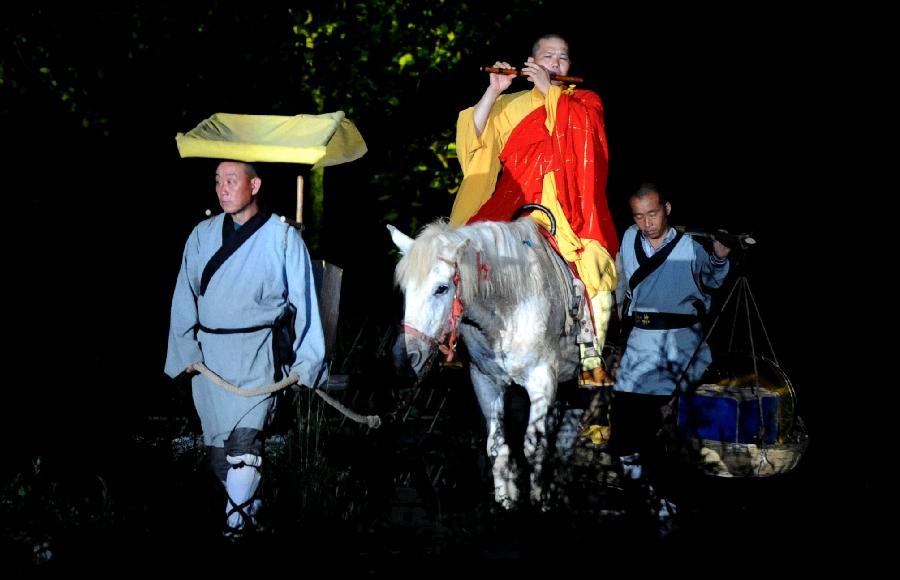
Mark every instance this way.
x=729 y=414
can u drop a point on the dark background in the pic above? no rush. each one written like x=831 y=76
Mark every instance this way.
x=735 y=115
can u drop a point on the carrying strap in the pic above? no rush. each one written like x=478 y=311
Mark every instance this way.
x=647 y=265
x=231 y=241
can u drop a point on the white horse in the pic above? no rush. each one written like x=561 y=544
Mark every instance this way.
x=514 y=301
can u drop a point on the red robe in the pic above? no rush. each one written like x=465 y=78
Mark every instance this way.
x=576 y=151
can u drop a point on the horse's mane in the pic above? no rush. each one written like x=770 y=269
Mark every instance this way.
x=508 y=260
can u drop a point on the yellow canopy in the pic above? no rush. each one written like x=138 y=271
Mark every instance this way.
x=318 y=140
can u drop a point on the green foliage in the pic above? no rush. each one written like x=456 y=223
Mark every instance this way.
x=394 y=67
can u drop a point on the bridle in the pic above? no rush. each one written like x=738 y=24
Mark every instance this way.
x=446 y=342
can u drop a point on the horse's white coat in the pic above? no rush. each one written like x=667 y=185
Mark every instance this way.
x=518 y=302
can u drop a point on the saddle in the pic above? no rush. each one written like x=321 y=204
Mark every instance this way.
x=578 y=312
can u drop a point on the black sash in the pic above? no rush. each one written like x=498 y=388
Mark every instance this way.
x=663 y=320
x=646 y=266
x=231 y=241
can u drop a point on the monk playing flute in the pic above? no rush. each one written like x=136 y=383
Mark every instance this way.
x=550 y=144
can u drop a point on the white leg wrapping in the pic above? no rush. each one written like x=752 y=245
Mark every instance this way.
x=240 y=485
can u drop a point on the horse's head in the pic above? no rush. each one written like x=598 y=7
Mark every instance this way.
x=428 y=276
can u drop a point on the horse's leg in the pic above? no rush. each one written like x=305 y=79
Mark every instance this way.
x=490 y=398
x=541 y=387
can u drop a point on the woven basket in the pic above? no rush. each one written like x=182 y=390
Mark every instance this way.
x=725 y=459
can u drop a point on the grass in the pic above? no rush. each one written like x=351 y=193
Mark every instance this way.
x=361 y=500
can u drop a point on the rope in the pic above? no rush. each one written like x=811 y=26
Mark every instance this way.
x=283 y=383
x=372 y=421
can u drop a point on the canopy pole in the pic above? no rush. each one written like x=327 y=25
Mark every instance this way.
x=299 y=199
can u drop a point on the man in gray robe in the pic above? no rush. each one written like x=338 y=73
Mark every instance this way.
x=245 y=280
x=665 y=280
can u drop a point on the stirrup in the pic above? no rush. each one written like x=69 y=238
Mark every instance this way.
x=596 y=377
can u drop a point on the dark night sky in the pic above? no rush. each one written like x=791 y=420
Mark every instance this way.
x=723 y=111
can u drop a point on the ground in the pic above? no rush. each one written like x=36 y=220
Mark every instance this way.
x=415 y=491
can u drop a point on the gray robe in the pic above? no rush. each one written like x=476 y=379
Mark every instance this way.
x=251 y=288
x=654 y=360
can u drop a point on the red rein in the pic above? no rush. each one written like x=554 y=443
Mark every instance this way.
x=450 y=336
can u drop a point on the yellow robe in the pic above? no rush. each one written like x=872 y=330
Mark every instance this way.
x=480 y=161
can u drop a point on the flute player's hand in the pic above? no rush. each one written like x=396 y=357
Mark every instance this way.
x=538 y=75
x=500 y=83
